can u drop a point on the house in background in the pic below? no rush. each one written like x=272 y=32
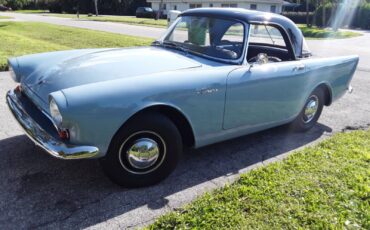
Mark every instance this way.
x=274 y=6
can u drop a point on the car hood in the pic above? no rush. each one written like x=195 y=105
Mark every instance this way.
x=70 y=69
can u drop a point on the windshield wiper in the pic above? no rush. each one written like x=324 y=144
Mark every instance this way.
x=175 y=45
x=156 y=43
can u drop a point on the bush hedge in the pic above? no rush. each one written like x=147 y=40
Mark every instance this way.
x=298 y=17
x=361 y=16
x=111 y=7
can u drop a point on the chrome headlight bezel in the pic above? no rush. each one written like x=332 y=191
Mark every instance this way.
x=55 y=113
x=12 y=73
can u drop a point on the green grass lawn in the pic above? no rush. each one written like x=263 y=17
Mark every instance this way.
x=326 y=186
x=32 y=11
x=19 y=38
x=318 y=33
x=119 y=19
x=310 y=33
x=5 y=17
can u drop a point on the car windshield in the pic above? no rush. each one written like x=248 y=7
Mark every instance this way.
x=211 y=37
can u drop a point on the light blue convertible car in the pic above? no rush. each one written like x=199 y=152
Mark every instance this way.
x=216 y=74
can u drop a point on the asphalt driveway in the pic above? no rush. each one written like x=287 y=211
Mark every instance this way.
x=38 y=191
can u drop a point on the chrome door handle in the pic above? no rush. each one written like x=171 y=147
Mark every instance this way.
x=299 y=67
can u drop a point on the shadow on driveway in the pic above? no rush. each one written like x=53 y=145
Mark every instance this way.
x=38 y=190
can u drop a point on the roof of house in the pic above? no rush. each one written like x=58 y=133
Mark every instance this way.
x=254 y=17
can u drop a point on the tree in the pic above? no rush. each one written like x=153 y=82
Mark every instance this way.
x=96 y=7
x=307 y=13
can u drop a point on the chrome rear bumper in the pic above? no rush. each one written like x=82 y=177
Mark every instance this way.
x=43 y=139
x=350 y=89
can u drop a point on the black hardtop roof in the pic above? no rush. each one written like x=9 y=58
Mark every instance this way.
x=235 y=13
x=252 y=16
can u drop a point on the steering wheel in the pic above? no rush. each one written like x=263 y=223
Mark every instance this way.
x=270 y=59
x=231 y=54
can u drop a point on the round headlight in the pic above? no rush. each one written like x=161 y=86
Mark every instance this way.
x=54 y=112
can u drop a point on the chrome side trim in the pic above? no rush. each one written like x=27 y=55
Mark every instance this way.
x=37 y=134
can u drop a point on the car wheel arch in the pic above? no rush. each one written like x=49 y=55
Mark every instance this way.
x=328 y=93
x=175 y=115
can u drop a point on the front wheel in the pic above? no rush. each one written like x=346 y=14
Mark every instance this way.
x=143 y=152
x=311 y=112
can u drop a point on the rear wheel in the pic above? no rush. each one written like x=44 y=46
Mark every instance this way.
x=143 y=152
x=311 y=111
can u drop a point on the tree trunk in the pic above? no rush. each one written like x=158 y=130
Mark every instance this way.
x=96 y=7
x=323 y=14
x=307 y=14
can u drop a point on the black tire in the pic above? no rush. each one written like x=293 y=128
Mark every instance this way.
x=302 y=122
x=155 y=127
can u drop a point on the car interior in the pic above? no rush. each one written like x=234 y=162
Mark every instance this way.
x=266 y=40
x=269 y=41
x=224 y=39
x=275 y=54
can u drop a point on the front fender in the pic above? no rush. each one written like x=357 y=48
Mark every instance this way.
x=95 y=112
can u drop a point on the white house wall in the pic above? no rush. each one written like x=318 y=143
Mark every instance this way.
x=182 y=5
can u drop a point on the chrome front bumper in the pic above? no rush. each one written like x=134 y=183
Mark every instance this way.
x=43 y=139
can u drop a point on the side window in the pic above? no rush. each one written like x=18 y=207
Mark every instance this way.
x=235 y=33
x=268 y=35
x=269 y=41
x=233 y=39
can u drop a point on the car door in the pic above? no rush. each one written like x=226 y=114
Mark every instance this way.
x=265 y=94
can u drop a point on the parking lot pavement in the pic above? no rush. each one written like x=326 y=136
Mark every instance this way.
x=38 y=191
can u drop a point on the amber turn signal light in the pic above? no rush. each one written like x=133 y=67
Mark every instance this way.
x=63 y=134
x=18 y=88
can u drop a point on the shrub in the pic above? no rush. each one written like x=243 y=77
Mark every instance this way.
x=17 y=4
x=298 y=17
x=361 y=16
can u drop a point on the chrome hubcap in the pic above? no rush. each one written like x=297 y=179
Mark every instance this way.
x=311 y=109
x=143 y=153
